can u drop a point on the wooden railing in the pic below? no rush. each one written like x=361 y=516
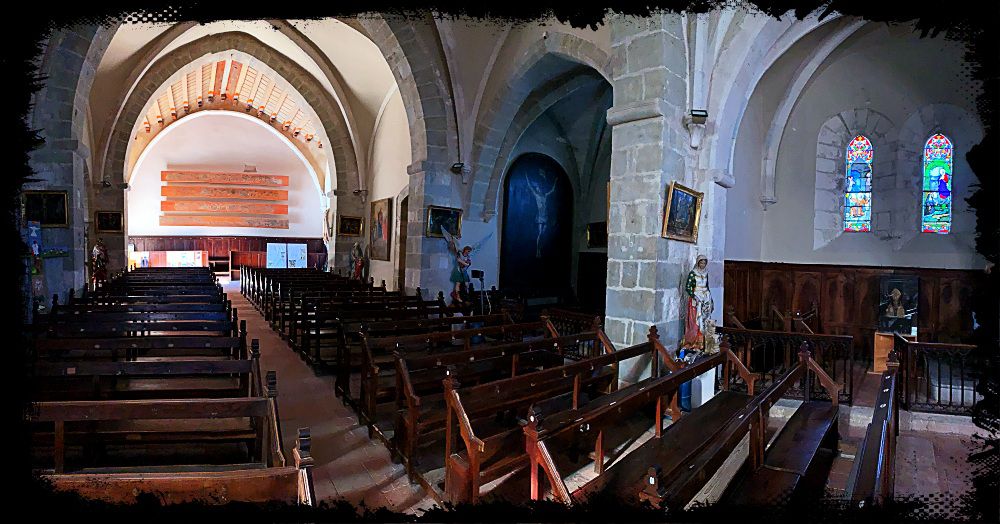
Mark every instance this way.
x=937 y=378
x=770 y=353
x=873 y=474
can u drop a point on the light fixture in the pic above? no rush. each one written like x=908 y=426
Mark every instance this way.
x=699 y=116
x=457 y=167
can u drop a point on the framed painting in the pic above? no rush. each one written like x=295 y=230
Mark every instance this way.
x=448 y=218
x=682 y=213
x=350 y=226
x=108 y=222
x=48 y=208
x=380 y=233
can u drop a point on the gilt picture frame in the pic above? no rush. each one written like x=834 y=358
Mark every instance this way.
x=443 y=217
x=350 y=226
x=682 y=213
x=380 y=230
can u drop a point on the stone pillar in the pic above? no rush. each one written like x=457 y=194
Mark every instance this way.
x=650 y=148
x=428 y=261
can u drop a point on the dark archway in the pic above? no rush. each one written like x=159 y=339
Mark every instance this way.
x=536 y=243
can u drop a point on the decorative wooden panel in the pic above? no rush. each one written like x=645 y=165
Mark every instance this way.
x=211 y=177
x=210 y=206
x=224 y=221
x=224 y=192
x=207 y=198
x=848 y=297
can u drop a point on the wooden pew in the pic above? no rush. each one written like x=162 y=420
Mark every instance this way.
x=170 y=377
x=133 y=348
x=378 y=372
x=872 y=478
x=673 y=482
x=420 y=403
x=600 y=424
x=487 y=416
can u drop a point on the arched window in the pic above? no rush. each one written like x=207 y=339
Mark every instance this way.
x=858 y=197
x=936 y=213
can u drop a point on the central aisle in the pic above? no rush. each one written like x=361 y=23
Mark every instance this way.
x=349 y=465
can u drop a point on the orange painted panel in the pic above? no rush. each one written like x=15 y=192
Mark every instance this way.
x=224 y=192
x=220 y=70
x=224 y=221
x=214 y=177
x=211 y=206
x=234 y=76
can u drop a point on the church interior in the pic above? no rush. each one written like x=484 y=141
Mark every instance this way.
x=688 y=258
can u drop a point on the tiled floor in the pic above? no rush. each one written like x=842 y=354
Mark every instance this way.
x=349 y=465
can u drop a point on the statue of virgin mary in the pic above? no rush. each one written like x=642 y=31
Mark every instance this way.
x=699 y=306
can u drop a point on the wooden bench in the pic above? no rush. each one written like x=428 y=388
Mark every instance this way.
x=488 y=416
x=673 y=481
x=420 y=403
x=165 y=377
x=872 y=478
x=379 y=354
x=602 y=425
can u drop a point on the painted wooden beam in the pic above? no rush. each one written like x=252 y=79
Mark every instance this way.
x=220 y=177
x=224 y=192
x=211 y=206
x=224 y=221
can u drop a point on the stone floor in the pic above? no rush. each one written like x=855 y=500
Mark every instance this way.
x=349 y=465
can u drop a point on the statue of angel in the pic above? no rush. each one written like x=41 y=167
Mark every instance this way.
x=463 y=259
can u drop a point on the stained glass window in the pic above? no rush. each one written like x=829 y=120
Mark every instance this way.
x=858 y=197
x=936 y=213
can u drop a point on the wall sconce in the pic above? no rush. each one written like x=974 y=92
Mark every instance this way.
x=223 y=95
x=695 y=124
x=211 y=96
x=159 y=119
x=457 y=167
x=200 y=102
x=699 y=116
x=187 y=107
x=145 y=124
x=173 y=112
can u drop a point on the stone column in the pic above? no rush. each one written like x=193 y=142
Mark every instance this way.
x=650 y=148
x=428 y=261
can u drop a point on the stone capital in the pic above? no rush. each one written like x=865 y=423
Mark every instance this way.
x=651 y=108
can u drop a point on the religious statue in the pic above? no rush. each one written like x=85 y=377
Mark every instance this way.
x=99 y=261
x=895 y=309
x=463 y=259
x=700 y=305
x=541 y=217
x=357 y=262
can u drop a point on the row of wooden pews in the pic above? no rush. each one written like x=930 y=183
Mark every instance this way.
x=146 y=384
x=480 y=404
x=694 y=458
x=393 y=350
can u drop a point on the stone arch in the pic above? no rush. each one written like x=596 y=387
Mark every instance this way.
x=524 y=97
x=832 y=139
x=341 y=148
x=60 y=113
x=964 y=130
x=345 y=163
x=533 y=107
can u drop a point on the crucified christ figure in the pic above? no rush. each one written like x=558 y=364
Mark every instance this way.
x=541 y=218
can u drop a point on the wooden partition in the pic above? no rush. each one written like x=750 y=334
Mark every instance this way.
x=847 y=298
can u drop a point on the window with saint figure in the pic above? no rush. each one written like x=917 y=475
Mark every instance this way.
x=858 y=196
x=936 y=202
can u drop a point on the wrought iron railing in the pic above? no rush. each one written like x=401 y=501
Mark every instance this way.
x=772 y=353
x=938 y=378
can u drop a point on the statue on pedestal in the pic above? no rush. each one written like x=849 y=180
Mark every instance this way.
x=99 y=261
x=699 y=306
x=357 y=262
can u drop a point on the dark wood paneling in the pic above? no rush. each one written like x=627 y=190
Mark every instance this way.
x=250 y=251
x=848 y=297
